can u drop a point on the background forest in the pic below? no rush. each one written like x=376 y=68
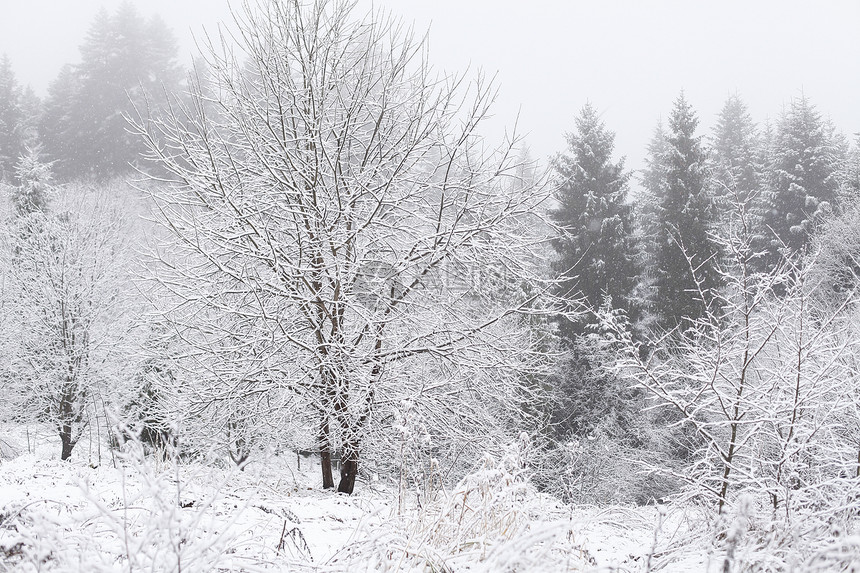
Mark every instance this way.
x=303 y=247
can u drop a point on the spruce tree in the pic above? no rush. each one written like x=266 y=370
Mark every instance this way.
x=647 y=205
x=851 y=174
x=598 y=251
x=127 y=62
x=10 y=119
x=57 y=124
x=734 y=166
x=685 y=274
x=31 y=114
x=35 y=183
x=802 y=179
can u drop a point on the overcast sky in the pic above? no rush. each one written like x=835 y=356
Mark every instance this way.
x=629 y=58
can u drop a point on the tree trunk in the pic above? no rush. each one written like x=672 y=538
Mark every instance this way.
x=325 y=455
x=348 y=469
x=66 y=440
x=66 y=421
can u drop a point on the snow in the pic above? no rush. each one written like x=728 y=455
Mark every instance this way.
x=154 y=515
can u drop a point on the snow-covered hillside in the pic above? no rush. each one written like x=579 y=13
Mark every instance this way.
x=147 y=514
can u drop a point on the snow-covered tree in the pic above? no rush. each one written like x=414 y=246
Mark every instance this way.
x=340 y=231
x=652 y=183
x=11 y=116
x=684 y=218
x=767 y=384
x=56 y=125
x=126 y=62
x=63 y=280
x=598 y=252
x=734 y=160
x=835 y=258
x=34 y=184
x=802 y=178
x=850 y=174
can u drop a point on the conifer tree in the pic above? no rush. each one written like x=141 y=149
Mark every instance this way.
x=646 y=207
x=35 y=179
x=31 y=114
x=10 y=119
x=125 y=61
x=598 y=251
x=851 y=173
x=685 y=273
x=802 y=178
x=57 y=122
x=735 y=169
x=102 y=85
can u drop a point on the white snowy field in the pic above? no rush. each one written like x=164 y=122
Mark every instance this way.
x=155 y=515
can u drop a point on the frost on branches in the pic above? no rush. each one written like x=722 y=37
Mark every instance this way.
x=64 y=277
x=340 y=236
x=765 y=389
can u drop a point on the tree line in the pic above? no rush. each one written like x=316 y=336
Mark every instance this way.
x=127 y=63
x=655 y=255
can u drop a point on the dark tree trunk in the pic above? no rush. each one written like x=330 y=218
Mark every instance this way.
x=325 y=455
x=66 y=440
x=238 y=448
x=348 y=469
x=67 y=420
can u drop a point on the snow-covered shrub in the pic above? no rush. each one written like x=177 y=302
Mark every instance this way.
x=154 y=526
x=835 y=266
x=604 y=469
x=491 y=521
x=599 y=429
x=767 y=383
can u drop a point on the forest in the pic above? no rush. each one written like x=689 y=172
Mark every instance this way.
x=290 y=309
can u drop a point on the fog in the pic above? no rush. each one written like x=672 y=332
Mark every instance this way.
x=427 y=353
x=628 y=58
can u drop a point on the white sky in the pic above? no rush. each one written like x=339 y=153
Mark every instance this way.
x=630 y=58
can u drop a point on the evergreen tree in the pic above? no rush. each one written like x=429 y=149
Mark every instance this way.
x=125 y=59
x=162 y=68
x=57 y=123
x=599 y=249
x=34 y=187
x=851 y=174
x=685 y=274
x=10 y=119
x=735 y=169
x=100 y=101
x=802 y=178
x=653 y=178
x=31 y=114
x=647 y=205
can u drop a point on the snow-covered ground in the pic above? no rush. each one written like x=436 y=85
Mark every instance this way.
x=155 y=515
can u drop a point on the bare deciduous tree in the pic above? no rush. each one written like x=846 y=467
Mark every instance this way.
x=340 y=231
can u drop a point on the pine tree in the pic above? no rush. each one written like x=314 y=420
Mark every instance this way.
x=802 y=178
x=10 y=119
x=685 y=274
x=599 y=249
